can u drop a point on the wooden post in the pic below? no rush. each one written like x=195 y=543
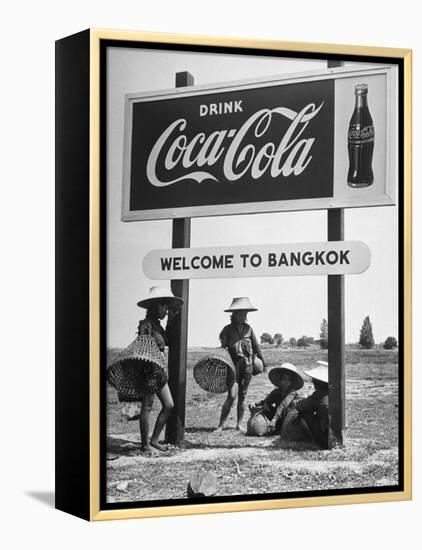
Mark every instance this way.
x=175 y=430
x=336 y=355
x=336 y=333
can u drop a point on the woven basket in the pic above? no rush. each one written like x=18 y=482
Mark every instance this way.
x=211 y=372
x=293 y=429
x=138 y=370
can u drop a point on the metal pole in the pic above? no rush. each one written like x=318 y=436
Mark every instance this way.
x=175 y=429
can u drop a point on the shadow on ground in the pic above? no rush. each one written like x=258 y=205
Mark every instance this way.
x=129 y=445
x=122 y=447
x=45 y=497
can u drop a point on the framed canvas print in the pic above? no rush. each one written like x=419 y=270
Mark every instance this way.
x=233 y=274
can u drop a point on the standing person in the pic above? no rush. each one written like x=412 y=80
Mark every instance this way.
x=239 y=339
x=147 y=378
x=313 y=410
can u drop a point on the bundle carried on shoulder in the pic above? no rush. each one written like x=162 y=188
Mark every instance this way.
x=211 y=371
x=138 y=370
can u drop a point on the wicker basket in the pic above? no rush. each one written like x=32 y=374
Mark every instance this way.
x=293 y=429
x=211 y=372
x=138 y=370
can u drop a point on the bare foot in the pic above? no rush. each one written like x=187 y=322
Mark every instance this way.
x=219 y=429
x=240 y=429
x=159 y=445
x=148 y=450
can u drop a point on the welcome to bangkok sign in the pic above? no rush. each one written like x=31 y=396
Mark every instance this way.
x=252 y=146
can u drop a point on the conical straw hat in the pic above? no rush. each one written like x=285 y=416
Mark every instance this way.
x=160 y=294
x=138 y=370
x=276 y=373
x=241 y=303
x=319 y=373
x=211 y=371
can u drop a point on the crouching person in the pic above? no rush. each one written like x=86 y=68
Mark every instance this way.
x=268 y=415
x=313 y=411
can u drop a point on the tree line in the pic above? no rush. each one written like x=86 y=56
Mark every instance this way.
x=366 y=338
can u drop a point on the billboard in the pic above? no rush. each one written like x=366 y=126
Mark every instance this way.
x=277 y=144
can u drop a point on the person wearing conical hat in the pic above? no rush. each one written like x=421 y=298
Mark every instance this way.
x=239 y=339
x=287 y=381
x=313 y=410
x=148 y=378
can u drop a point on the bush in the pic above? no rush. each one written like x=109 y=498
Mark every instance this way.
x=390 y=343
x=278 y=339
x=266 y=338
x=305 y=341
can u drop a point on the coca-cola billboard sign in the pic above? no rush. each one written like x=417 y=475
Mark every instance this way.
x=252 y=147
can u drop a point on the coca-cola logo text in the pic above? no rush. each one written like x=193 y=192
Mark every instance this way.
x=361 y=134
x=233 y=150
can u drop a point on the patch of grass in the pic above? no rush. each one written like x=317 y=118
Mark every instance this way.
x=267 y=465
x=300 y=357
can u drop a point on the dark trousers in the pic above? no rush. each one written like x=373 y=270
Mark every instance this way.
x=317 y=427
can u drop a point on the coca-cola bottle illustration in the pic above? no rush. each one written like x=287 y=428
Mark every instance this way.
x=361 y=141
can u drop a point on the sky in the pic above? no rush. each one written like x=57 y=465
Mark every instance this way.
x=293 y=306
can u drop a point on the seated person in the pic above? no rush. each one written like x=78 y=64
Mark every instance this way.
x=313 y=410
x=275 y=406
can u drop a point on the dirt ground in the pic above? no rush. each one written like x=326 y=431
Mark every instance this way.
x=258 y=465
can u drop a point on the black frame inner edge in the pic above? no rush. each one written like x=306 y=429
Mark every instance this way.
x=104 y=44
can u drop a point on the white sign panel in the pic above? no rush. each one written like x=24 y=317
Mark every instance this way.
x=271 y=260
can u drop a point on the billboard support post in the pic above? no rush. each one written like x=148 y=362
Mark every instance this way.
x=336 y=333
x=177 y=361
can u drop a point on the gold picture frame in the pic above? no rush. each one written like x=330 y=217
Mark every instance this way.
x=86 y=498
